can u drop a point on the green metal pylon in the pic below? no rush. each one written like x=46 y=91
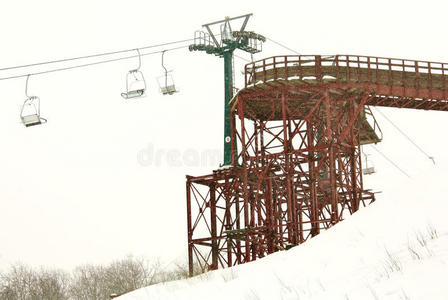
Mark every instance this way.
x=228 y=86
x=230 y=41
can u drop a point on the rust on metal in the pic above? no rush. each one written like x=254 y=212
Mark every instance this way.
x=300 y=122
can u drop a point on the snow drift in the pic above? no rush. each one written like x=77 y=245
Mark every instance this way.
x=397 y=248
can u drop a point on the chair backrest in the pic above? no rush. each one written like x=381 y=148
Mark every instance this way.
x=135 y=81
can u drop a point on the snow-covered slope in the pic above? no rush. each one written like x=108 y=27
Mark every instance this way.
x=397 y=248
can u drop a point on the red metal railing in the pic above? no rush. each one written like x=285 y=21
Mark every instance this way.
x=351 y=69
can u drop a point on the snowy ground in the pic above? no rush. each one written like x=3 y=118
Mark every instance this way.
x=395 y=249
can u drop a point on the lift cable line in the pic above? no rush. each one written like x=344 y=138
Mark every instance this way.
x=390 y=161
x=406 y=136
x=94 y=63
x=89 y=64
x=242 y=58
x=92 y=55
x=281 y=45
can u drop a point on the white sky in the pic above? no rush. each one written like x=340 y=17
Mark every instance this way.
x=73 y=191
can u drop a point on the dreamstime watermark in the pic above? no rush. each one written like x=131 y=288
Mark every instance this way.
x=151 y=156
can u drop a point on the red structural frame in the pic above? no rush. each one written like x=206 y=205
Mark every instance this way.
x=299 y=124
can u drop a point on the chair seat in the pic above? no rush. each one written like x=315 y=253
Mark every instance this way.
x=31 y=120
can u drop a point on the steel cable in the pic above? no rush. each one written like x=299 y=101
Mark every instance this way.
x=406 y=136
x=92 y=55
x=88 y=64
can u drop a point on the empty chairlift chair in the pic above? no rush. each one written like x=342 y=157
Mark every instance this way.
x=30 y=113
x=368 y=170
x=166 y=82
x=135 y=82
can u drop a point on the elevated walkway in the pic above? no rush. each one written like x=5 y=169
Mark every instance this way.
x=394 y=82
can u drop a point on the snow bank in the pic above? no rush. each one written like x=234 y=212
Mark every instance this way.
x=397 y=248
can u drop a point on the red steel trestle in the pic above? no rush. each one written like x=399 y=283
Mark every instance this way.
x=298 y=172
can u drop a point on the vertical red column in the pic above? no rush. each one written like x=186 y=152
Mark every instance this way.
x=233 y=138
x=286 y=151
x=189 y=229
x=239 y=255
x=244 y=179
x=313 y=173
x=269 y=216
x=228 y=219
x=212 y=204
x=331 y=159
x=353 y=163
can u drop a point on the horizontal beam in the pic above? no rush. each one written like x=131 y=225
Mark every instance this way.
x=229 y=19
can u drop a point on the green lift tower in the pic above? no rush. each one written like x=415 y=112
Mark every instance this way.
x=227 y=43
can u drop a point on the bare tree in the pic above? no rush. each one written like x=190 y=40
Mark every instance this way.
x=50 y=284
x=121 y=276
x=125 y=275
x=24 y=283
x=88 y=283
x=16 y=284
x=178 y=272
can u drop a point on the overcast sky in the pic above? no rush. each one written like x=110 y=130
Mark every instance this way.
x=105 y=177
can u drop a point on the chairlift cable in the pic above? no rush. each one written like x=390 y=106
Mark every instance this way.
x=390 y=161
x=94 y=63
x=281 y=45
x=242 y=58
x=89 y=64
x=92 y=55
x=105 y=61
x=406 y=136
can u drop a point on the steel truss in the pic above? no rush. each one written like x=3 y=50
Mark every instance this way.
x=298 y=172
x=299 y=122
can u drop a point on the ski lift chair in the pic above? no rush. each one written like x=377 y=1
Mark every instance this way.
x=368 y=170
x=166 y=82
x=30 y=113
x=166 y=85
x=135 y=82
x=168 y=90
x=135 y=85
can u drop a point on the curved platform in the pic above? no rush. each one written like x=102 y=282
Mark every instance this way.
x=393 y=82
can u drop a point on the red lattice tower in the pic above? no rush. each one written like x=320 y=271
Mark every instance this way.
x=300 y=122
